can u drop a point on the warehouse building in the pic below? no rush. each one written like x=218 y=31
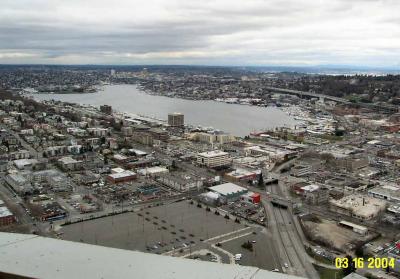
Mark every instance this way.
x=228 y=191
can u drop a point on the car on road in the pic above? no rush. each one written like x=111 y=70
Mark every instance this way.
x=238 y=257
x=286 y=265
x=275 y=270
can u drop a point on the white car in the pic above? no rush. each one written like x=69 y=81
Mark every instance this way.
x=238 y=257
x=286 y=265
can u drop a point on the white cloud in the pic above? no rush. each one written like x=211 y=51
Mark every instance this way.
x=242 y=32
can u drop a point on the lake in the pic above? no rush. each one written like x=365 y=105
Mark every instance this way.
x=240 y=120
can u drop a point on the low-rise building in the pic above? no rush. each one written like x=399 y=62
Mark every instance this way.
x=121 y=177
x=180 y=182
x=359 y=207
x=97 y=132
x=153 y=171
x=386 y=192
x=316 y=195
x=214 y=159
x=356 y=228
x=69 y=164
x=251 y=197
x=300 y=170
x=19 y=183
x=212 y=138
x=240 y=175
x=6 y=217
x=228 y=191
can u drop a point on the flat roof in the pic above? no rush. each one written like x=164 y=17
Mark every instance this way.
x=138 y=152
x=240 y=172
x=38 y=257
x=213 y=153
x=310 y=188
x=227 y=189
x=4 y=212
x=68 y=160
x=386 y=190
x=353 y=225
x=120 y=157
x=123 y=174
x=361 y=205
x=117 y=170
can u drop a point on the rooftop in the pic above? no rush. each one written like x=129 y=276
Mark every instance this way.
x=227 y=189
x=387 y=190
x=38 y=257
x=123 y=174
x=67 y=160
x=4 y=212
x=213 y=153
x=360 y=205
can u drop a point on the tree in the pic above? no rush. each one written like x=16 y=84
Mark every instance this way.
x=174 y=165
x=261 y=181
x=350 y=268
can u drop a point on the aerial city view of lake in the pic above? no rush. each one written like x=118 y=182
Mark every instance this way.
x=240 y=120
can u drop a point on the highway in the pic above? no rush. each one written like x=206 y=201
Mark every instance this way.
x=388 y=108
x=287 y=239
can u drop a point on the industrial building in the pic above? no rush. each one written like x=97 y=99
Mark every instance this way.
x=228 y=191
x=214 y=159
x=359 y=207
x=176 y=119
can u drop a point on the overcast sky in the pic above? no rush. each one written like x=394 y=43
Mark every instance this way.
x=223 y=32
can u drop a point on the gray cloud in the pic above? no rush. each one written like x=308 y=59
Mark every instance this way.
x=245 y=32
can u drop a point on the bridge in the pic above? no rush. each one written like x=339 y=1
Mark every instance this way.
x=305 y=94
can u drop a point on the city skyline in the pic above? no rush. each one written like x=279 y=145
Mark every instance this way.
x=259 y=33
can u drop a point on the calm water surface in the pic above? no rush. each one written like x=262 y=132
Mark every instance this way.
x=239 y=120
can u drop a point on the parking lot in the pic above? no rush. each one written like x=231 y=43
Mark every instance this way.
x=261 y=256
x=157 y=229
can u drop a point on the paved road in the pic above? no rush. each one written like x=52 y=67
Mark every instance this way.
x=285 y=234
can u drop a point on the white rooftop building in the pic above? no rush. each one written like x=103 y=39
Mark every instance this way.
x=228 y=191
